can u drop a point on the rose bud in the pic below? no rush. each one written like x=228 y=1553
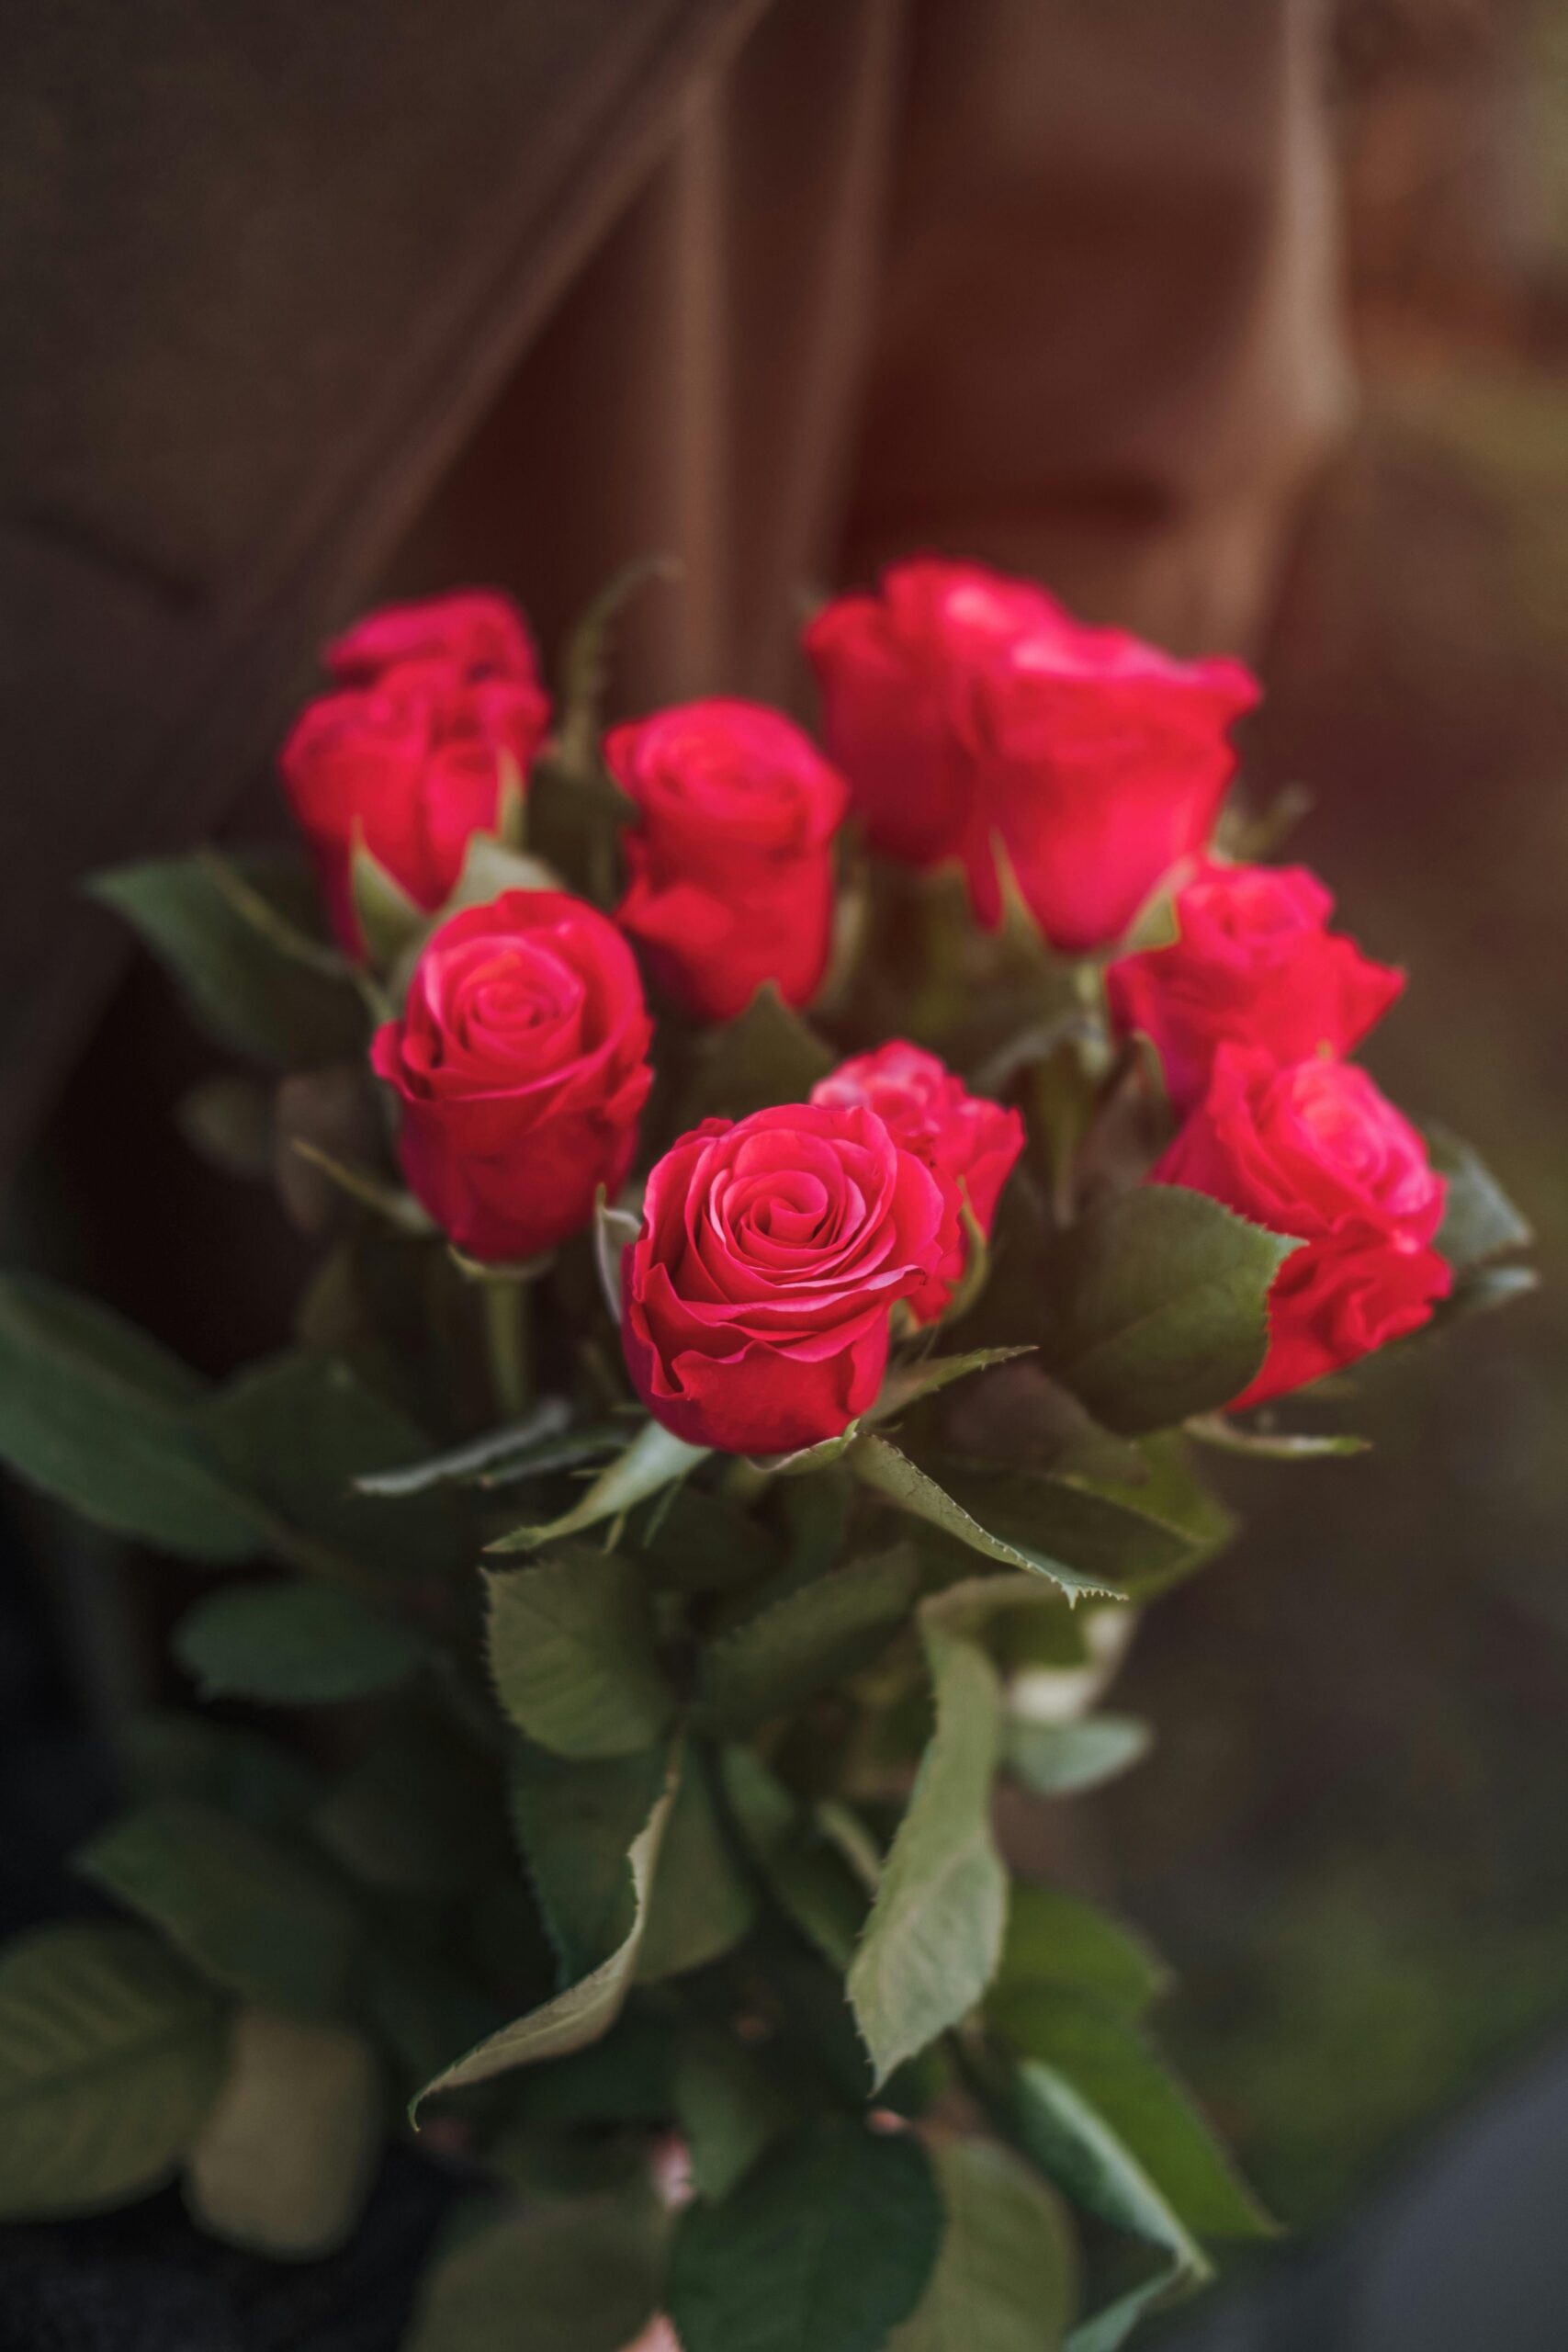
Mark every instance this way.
x=1256 y=964
x=756 y=1297
x=968 y=1143
x=730 y=864
x=439 y=707
x=893 y=670
x=1317 y=1151
x=520 y=1059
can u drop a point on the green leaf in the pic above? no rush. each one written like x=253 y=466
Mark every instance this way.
x=700 y=1906
x=652 y=1460
x=389 y=921
x=1059 y=1759
x=416 y=1813
x=171 y=1753
x=1158 y=1306
x=804 y=1870
x=563 y=2277
x=456 y=1466
x=490 y=868
x=727 y=2108
x=1480 y=1222
x=296 y=1431
x=284 y=2162
x=1005 y=2279
x=110 y=2055
x=98 y=1415
x=572 y=1652
x=1483 y=1291
x=242 y=1905
x=882 y=1466
x=906 y=1384
x=825 y=2247
x=587 y=2008
x=934 y=1936
x=770 y=1055
x=1135 y=1536
x=293 y=1645
x=1103 y=2057
x=806 y=1642
x=575 y=1823
x=247 y=986
x=1272 y=1445
x=1057 y=1940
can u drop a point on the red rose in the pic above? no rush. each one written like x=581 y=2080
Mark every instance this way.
x=1317 y=1151
x=756 y=1296
x=1255 y=963
x=968 y=1144
x=440 y=704
x=969 y=709
x=521 y=1059
x=731 y=865
x=893 y=670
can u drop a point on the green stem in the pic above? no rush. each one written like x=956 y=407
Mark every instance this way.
x=506 y=1341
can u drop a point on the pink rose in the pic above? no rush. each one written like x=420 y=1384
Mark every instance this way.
x=756 y=1298
x=968 y=1143
x=521 y=1061
x=439 y=707
x=731 y=868
x=969 y=711
x=1317 y=1151
x=1256 y=964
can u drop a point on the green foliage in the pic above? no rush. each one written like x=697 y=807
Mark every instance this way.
x=1056 y=1940
x=729 y=2109
x=1158 y=1307
x=246 y=1908
x=238 y=936
x=1007 y=2278
x=285 y=2160
x=1134 y=1531
x=1060 y=1759
x=804 y=1869
x=170 y=1755
x=814 y=1636
x=881 y=1466
x=1480 y=1222
x=578 y=2278
x=652 y=1461
x=824 y=2246
x=700 y=1906
x=111 y=2054
x=576 y=1824
x=588 y=2007
x=98 y=1415
x=934 y=1937
x=571 y=1654
x=293 y=1645
x=770 y=1055
x=418 y=1812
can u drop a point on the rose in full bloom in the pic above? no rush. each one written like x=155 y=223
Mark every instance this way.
x=972 y=714
x=438 y=705
x=1254 y=962
x=730 y=863
x=756 y=1297
x=1317 y=1151
x=894 y=671
x=521 y=1061
x=968 y=1143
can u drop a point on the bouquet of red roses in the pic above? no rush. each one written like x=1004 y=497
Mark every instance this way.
x=789 y=1219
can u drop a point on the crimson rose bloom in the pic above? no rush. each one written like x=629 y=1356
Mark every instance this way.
x=894 y=669
x=968 y=1144
x=1316 y=1151
x=438 y=705
x=1254 y=962
x=755 y=1299
x=970 y=710
x=521 y=1059
x=731 y=866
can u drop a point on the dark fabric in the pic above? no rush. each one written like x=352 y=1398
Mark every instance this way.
x=261 y=265
x=146 y=2280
